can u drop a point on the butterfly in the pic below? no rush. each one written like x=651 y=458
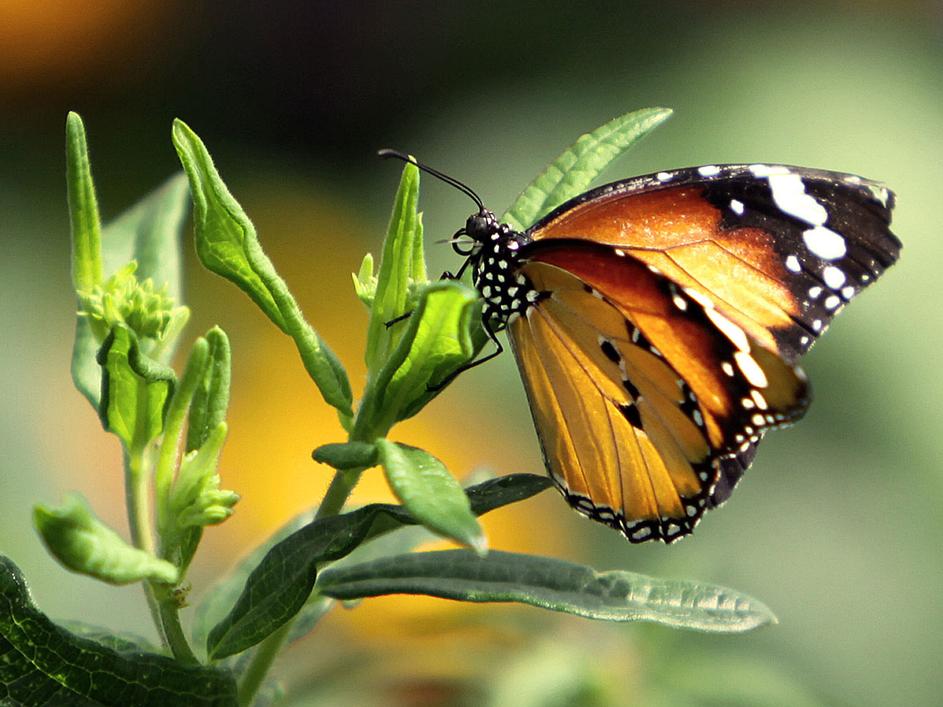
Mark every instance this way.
x=657 y=323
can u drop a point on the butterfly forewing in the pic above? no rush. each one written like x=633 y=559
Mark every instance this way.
x=778 y=250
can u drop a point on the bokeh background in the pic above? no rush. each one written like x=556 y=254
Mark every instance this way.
x=837 y=526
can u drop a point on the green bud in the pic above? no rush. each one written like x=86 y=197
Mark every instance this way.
x=196 y=499
x=83 y=544
x=365 y=282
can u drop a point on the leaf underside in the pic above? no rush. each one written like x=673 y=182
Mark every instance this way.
x=550 y=584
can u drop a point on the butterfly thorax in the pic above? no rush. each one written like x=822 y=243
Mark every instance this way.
x=496 y=260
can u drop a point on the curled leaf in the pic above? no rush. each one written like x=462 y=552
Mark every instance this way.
x=83 y=544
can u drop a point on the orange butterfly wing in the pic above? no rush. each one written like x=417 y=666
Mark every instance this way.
x=670 y=310
x=778 y=250
x=634 y=433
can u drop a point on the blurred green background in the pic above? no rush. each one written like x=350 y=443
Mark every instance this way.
x=838 y=525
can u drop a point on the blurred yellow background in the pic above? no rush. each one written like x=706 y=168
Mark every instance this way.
x=838 y=526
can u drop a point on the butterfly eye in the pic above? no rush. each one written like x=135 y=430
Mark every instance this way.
x=460 y=243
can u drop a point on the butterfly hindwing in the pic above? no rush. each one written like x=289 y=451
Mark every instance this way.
x=640 y=421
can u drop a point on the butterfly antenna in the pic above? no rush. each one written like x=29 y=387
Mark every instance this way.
x=386 y=154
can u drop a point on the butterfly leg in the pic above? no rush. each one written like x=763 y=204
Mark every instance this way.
x=397 y=320
x=445 y=276
x=486 y=325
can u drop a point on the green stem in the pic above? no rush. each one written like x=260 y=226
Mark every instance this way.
x=139 y=521
x=173 y=631
x=259 y=666
x=161 y=604
x=337 y=494
x=342 y=485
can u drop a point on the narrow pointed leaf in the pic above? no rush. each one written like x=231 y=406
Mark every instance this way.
x=402 y=269
x=227 y=244
x=430 y=493
x=44 y=664
x=87 y=270
x=550 y=584
x=278 y=586
x=574 y=170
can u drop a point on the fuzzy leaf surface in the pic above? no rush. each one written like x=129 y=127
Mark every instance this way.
x=550 y=584
x=573 y=171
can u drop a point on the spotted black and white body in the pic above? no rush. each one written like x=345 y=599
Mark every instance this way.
x=658 y=321
x=495 y=261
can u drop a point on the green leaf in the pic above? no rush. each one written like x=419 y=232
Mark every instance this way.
x=346 y=455
x=227 y=244
x=135 y=390
x=84 y=544
x=572 y=172
x=211 y=397
x=122 y=642
x=281 y=583
x=430 y=493
x=402 y=270
x=437 y=340
x=224 y=593
x=44 y=664
x=550 y=584
x=87 y=270
x=148 y=233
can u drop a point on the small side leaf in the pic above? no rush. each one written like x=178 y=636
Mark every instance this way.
x=43 y=663
x=550 y=584
x=346 y=455
x=365 y=282
x=211 y=397
x=437 y=339
x=135 y=390
x=227 y=244
x=83 y=544
x=573 y=171
x=430 y=493
x=280 y=584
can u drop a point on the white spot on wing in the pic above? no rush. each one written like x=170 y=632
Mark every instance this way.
x=824 y=242
x=833 y=277
x=709 y=170
x=736 y=206
x=734 y=333
x=751 y=369
x=792 y=263
x=664 y=176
